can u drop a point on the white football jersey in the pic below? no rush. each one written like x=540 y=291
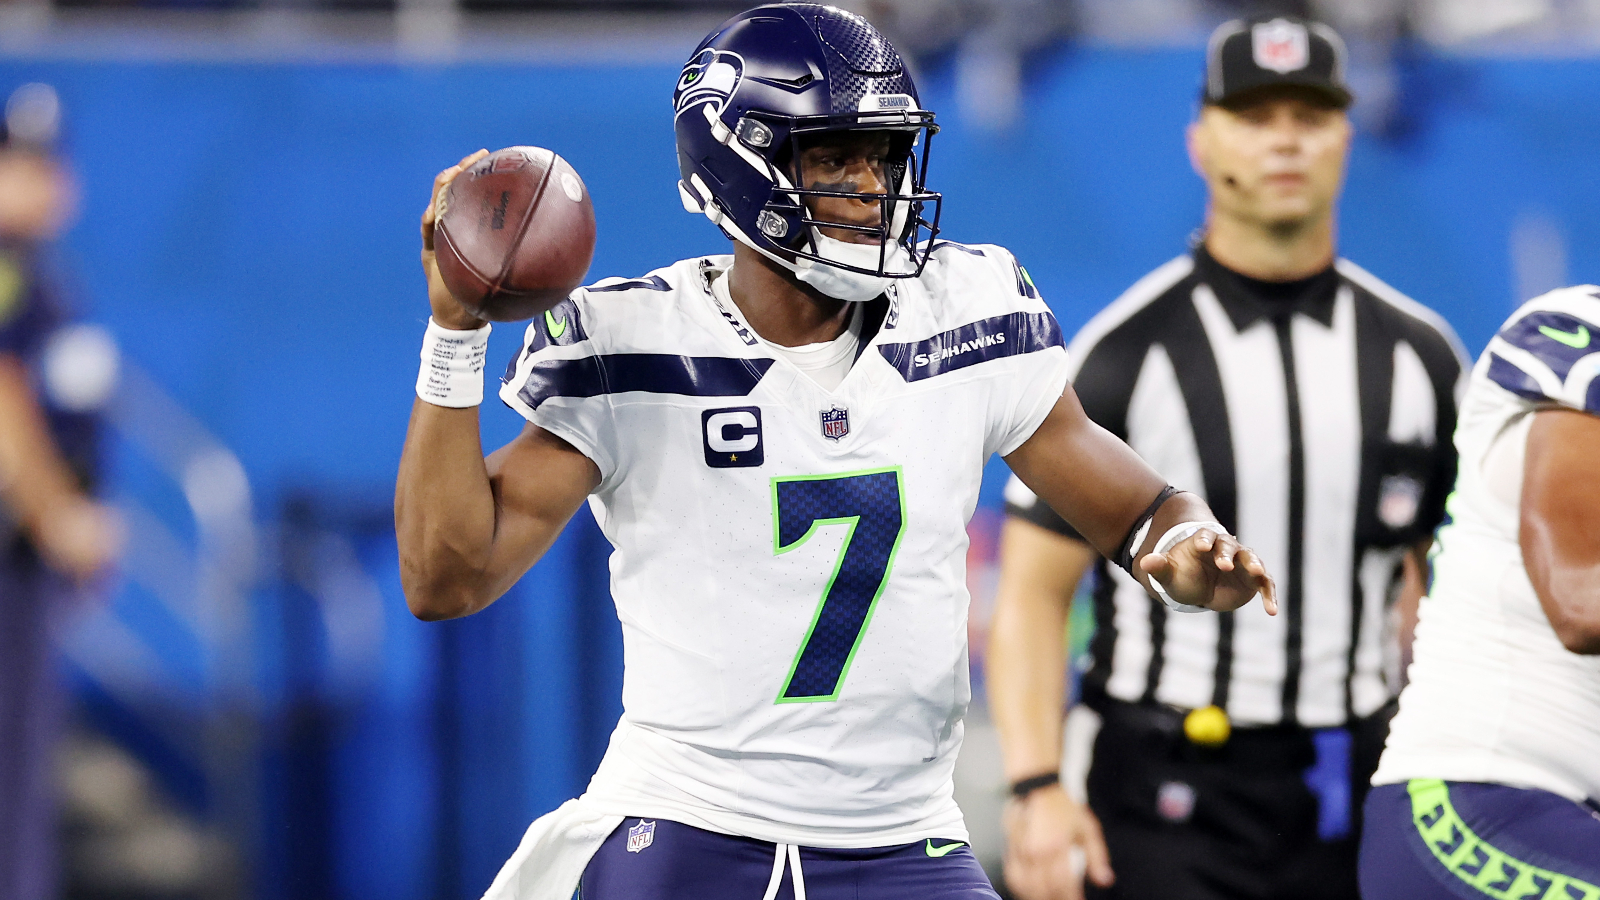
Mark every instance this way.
x=1494 y=696
x=790 y=562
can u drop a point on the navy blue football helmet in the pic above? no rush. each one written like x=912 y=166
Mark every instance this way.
x=770 y=78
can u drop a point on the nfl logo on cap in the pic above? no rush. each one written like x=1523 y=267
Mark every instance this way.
x=1281 y=46
x=835 y=423
x=641 y=835
x=1246 y=55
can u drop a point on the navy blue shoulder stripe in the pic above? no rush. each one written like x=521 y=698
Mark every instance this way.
x=653 y=283
x=1554 y=338
x=1025 y=285
x=939 y=245
x=981 y=341
x=655 y=373
x=1513 y=379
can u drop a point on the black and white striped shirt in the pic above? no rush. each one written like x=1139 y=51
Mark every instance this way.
x=1315 y=418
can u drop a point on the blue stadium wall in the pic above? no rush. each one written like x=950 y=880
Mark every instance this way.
x=250 y=236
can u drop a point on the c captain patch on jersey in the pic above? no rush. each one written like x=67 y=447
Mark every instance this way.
x=732 y=437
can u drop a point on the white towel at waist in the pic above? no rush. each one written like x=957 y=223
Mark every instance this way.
x=553 y=854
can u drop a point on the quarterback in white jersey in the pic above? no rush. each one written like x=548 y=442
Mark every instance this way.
x=783 y=446
x=1491 y=774
x=738 y=491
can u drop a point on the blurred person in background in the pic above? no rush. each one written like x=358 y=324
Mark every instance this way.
x=1490 y=783
x=1314 y=404
x=54 y=537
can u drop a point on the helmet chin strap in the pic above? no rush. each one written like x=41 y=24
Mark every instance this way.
x=840 y=284
x=855 y=287
x=843 y=284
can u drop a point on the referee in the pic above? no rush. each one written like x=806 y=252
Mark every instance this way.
x=1312 y=405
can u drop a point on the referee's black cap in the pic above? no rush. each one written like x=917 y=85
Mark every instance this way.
x=1247 y=55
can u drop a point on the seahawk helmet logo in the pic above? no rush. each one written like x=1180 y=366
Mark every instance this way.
x=1281 y=46
x=711 y=77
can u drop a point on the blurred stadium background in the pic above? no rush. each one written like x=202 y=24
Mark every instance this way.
x=256 y=715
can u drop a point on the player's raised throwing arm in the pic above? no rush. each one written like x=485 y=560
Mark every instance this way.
x=469 y=527
x=1099 y=485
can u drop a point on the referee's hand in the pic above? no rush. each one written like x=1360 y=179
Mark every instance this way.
x=1213 y=571
x=1045 y=833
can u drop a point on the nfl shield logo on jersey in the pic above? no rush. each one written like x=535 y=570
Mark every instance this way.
x=835 y=423
x=1281 y=46
x=640 y=836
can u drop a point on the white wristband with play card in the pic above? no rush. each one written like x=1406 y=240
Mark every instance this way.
x=452 y=366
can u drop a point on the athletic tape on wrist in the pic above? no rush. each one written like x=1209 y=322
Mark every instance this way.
x=452 y=366
x=1176 y=535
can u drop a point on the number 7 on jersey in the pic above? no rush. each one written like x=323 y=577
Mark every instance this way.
x=872 y=503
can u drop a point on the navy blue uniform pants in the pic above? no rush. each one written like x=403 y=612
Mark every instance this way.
x=654 y=859
x=30 y=722
x=1448 y=840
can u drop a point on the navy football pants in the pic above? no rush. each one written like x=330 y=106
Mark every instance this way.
x=31 y=708
x=1439 y=840
x=683 y=863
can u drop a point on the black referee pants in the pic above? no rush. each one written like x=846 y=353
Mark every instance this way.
x=1236 y=822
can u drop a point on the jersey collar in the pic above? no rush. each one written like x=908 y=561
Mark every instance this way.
x=881 y=313
x=1248 y=300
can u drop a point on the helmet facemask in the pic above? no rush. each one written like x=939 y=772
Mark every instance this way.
x=789 y=233
x=832 y=262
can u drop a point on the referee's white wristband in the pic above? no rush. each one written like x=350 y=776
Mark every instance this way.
x=452 y=366
x=1176 y=535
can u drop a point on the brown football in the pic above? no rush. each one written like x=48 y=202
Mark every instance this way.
x=515 y=234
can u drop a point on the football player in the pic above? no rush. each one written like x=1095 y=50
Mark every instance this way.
x=1489 y=785
x=56 y=538
x=783 y=446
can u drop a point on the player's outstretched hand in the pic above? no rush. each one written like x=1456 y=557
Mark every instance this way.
x=1214 y=571
x=1045 y=833
x=446 y=311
